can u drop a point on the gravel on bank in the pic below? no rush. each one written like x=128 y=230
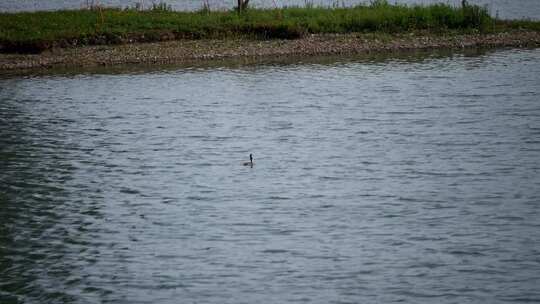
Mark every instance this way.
x=204 y=50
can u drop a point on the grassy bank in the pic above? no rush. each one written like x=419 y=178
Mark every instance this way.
x=37 y=31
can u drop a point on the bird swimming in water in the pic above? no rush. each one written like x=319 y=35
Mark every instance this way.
x=250 y=162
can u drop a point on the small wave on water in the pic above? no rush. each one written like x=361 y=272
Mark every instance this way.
x=369 y=186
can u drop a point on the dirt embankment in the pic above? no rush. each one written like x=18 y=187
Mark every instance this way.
x=198 y=50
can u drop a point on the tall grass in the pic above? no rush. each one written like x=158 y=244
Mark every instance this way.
x=41 y=30
x=161 y=7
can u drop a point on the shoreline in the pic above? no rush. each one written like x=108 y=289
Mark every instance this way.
x=181 y=51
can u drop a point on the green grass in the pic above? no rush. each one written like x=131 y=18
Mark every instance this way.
x=36 y=31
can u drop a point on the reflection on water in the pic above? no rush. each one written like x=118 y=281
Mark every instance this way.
x=403 y=179
x=515 y=9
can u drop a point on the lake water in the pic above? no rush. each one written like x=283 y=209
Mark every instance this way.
x=508 y=9
x=410 y=179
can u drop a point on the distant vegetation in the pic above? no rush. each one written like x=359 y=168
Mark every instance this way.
x=37 y=31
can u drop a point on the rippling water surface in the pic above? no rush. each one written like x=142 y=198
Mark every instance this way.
x=409 y=180
x=508 y=9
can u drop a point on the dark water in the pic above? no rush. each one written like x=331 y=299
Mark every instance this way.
x=412 y=180
x=508 y=9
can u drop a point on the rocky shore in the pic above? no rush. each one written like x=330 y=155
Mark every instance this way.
x=204 y=50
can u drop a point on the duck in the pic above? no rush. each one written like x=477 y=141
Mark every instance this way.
x=250 y=162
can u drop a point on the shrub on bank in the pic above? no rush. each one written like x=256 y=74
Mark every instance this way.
x=37 y=31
